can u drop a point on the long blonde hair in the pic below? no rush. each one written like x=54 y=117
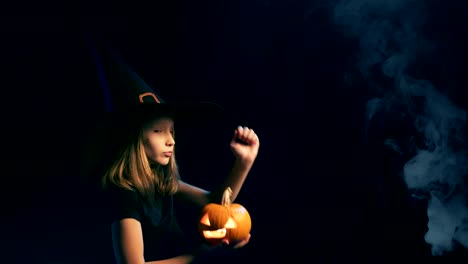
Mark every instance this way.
x=133 y=171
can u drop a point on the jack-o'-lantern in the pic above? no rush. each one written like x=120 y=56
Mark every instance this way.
x=225 y=221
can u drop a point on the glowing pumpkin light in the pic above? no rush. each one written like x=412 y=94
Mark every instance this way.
x=226 y=221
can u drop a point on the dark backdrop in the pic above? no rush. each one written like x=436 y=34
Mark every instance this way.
x=320 y=190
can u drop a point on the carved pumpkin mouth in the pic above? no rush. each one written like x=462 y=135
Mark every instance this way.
x=219 y=233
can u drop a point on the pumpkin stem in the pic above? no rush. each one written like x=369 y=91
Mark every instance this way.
x=226 y=200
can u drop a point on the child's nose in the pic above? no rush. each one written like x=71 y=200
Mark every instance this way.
x=170 y=141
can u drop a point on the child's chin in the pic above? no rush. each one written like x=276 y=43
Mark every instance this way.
x=163 y=163
x=160 y=162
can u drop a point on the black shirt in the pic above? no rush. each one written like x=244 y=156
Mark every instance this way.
x=162 y=236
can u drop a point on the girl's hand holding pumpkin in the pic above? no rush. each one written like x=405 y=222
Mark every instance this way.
x=217 y=253
x=245 y=144
x=237 y=244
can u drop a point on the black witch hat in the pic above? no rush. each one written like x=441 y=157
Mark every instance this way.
x=130 y=98
x=129 y=101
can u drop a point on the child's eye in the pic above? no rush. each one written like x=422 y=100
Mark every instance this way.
x=157 y=131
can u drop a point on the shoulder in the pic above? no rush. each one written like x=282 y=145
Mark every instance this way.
x=122 y=203
x=113 y=190
x=117 y=194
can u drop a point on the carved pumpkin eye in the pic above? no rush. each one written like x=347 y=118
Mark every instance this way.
x=218 y=233
x=230 y=223
x=205 y=220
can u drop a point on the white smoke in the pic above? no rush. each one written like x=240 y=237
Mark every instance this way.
x=390 y=37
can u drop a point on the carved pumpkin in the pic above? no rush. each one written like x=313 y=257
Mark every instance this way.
x=230 y=221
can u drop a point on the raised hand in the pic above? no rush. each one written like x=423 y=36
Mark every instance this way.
x=245 y=144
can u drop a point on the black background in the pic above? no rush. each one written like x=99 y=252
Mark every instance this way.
x=318 y=192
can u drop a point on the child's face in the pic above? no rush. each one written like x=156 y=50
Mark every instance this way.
x=158 y=139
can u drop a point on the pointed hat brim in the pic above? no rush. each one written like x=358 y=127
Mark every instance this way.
x=131 y=98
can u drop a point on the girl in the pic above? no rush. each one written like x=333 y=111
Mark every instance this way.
x=142 y=179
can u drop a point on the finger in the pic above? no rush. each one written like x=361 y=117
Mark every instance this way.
x=239 y=133
x=236 y=134
x=246 y=134
x=249 y=136
x=252 y=137
x=242 y=242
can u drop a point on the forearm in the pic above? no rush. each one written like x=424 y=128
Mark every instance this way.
x=235 y=179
